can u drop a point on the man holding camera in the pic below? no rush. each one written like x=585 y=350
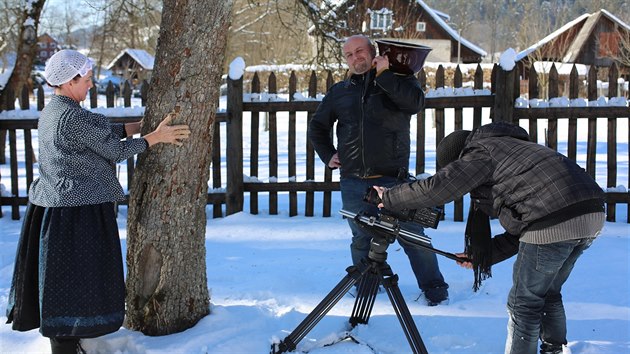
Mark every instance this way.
x=372 y=109
x=551 y=209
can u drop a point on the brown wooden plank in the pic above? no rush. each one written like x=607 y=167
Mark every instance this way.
x=217 y=209
x=591 y=147
x=13 y=162
x=309 y=200
x=292 y=154
x=273 y=148
x=29 y=155
x=611 y=153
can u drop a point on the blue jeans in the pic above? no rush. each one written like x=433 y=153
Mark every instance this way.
x=423 y=263
x=535 y=302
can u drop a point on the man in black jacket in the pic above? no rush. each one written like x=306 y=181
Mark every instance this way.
x=372 y=109
x=550 y=207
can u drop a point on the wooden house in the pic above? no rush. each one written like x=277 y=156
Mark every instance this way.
x=133 y=64
x=46 y=47
x=408 y=20
x=595 y=39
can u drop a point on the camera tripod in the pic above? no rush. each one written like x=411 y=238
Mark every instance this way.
x=372 y=272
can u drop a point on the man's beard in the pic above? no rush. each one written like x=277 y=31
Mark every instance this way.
x=362 y=67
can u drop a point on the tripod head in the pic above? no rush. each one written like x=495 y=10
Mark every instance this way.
x=378 y=245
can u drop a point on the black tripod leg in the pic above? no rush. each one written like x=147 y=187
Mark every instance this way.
x=291 y=341
x=366 y=295
x=390 y=282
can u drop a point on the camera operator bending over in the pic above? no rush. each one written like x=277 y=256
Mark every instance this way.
x=372 y=109
x=550 y=208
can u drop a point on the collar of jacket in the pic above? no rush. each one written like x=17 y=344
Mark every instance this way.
x=360 y=79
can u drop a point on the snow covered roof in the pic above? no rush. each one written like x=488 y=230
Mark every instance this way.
x=144 y=59
x=573 y=50
x=440 y=21
x=436 y=15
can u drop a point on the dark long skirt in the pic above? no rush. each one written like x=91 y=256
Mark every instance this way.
x=80 y=289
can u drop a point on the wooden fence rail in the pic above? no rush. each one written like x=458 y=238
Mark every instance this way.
x=278 y=115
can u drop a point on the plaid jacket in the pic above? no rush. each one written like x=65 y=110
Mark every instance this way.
x=512 y=178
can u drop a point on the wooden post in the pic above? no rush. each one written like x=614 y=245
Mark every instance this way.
x=254 y=145
x=310 y=152
x=421 y=134
x=327 y=205
x=40 y=97
x=591 y=142
x=533 y=93
x=574 y=88
x=234 y=147
x=552 y=122
x=611 y=144
x=93 y=96
x=293 y=200
x=126 y=93
x=144 y=92
x=458 y=204
x=273 y=146
x=504 y=96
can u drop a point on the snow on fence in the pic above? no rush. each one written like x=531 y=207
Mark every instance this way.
x=263 y=152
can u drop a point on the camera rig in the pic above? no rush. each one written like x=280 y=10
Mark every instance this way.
x=427 y=217
x=389 y=223
x=372 y=272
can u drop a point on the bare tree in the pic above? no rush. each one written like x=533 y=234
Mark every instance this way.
x=553 y=50
x=268 y=33
x=167 y=289
x=26 y=44
x=124 y=24
x=617 y=47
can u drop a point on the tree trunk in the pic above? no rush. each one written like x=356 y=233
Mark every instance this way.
x=167 y=288
x=26 y=50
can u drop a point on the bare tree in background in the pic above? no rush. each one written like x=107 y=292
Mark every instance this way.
x=26 y=46
x=553 y=51
x=616 y=45
x=167 y=289
x=10 y=13
x=268 y=33
x=125 y=24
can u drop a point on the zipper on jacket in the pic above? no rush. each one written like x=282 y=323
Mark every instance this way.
x=364 y=91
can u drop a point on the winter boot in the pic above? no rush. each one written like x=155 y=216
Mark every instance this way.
x=548 y=348
x=65 y=346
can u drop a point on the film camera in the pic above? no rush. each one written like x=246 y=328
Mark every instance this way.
x=427 y=217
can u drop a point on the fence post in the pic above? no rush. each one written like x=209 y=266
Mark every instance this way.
x=234 y=146
x=504 y=96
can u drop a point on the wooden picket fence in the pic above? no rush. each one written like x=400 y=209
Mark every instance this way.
x=228 y=196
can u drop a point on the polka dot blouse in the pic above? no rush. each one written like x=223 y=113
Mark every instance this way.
x=78 y=150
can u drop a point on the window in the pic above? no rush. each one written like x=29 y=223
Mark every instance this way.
x=43 y=54
x=381 y=19
x=421 y=26
x=53 y=45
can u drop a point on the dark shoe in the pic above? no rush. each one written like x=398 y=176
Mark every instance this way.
x=65 y=346
x=436 y=296
x=548 y=348
x=432 y=302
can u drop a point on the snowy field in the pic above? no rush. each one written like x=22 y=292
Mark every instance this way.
x=266 y=273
